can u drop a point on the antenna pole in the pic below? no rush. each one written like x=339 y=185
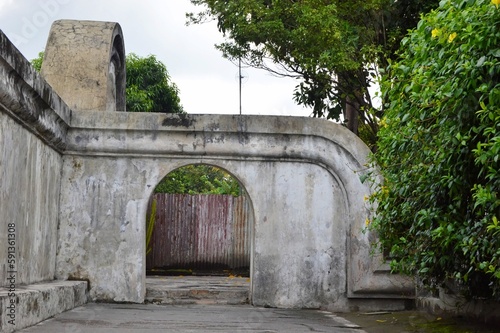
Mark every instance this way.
x=240 y=77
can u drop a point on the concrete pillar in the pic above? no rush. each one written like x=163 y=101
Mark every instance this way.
x=85 y=64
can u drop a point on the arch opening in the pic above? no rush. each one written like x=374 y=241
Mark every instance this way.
x=117 y=77
x=199 y=222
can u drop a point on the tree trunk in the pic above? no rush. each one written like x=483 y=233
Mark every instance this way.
x=351 y=114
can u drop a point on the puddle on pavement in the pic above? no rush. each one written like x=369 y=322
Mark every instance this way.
x=415 y=322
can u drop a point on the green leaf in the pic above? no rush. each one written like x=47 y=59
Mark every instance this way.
x=481 y=61
x=495 y=53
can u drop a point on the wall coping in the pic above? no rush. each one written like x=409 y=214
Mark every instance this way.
x=29 y=99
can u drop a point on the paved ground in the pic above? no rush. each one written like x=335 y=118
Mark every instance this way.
x=197 y=308
x=151 y=318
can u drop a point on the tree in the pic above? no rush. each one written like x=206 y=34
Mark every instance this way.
x=438 y=206
x=149 y=86
x=333 y=47
x=199 y=179
x=398 y=18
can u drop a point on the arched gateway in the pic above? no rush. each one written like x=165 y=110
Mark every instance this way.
x=302 y=176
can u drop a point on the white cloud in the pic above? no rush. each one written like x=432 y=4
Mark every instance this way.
x=4 y=3
x=208 y=83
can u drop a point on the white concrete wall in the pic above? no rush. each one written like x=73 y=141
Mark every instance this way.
x=300 y=235
x=84 y=63
x=102 y=237
x=299 y=251
x=33 y=122
x=30 y=174
x=302 y=176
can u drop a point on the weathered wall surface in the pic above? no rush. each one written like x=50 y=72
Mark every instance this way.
x=85 y=64
x=102 y=232
x=301 y=174
x=299 y=244
x=300 y=236
x=32 y=137
x=29 y=201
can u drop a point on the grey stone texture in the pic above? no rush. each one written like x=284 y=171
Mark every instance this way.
x=449 y=304
x=302 y=176
x=32 y=137
x=29 y=202
x=183 y=290
x=38 y=302
x=85 y=64
x=128 y=318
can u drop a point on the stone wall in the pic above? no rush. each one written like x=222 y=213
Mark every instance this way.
x=29 y=202
x=302 y=176
x=32 y=138
x=84 y=63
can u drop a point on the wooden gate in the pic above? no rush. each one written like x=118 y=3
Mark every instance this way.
x=201 y=231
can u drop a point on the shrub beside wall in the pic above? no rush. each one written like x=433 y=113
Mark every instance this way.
x=439 y=145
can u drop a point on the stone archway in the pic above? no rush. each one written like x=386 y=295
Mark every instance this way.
x=303 y=175
x=199 y=233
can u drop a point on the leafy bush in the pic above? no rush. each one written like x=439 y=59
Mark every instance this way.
x=438 y=150
x=149 y=86
x=199 y=179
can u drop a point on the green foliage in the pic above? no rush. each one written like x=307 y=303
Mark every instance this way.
x=199 y=179
x=149 y=87
x=438 y=150
x=150 y=225
x=37 y=62
x=333 y=47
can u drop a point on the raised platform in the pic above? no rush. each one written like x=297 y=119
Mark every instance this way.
x=197 y=290
x=37 y=302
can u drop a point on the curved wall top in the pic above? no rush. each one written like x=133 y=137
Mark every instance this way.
x=85 y=64
x=220 y=139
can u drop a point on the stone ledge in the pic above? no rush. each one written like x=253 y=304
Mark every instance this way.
x=197 y=296
x=485 y=311
x=38 y=302
x=29 y=99
x=197 y=290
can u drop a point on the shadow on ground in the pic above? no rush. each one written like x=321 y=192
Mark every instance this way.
x=414 y=322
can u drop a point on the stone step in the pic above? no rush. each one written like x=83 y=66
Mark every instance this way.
x=197 y=290
x=24 y=306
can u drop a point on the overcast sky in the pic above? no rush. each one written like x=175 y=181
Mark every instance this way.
x=208 y=83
